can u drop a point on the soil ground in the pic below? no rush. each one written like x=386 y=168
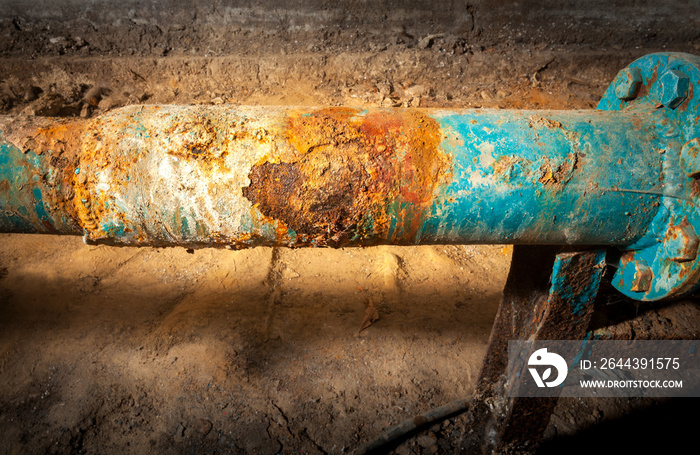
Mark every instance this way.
x=115 y=350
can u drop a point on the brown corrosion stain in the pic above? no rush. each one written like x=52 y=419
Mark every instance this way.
x=644 y=88
x=345 y=172
x=686 y=102
x=695 y=188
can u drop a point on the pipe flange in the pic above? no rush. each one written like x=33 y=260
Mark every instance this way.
x=664 y=263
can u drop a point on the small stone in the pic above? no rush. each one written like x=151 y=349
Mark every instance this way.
x=106 y=104
x=94 y=95
x=403 y=450
x=57 y=40
x=426 y=442
x=416 y=90
x=289 y=274
x=425 y=42
x=180 y=430
x=428 y=41
x=28 y=111
x=390 y=102
x=202 y=427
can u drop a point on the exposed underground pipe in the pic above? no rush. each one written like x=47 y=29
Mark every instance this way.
x=622 y=175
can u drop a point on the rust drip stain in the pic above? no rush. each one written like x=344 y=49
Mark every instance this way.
x=349 y=174
x=645 y=87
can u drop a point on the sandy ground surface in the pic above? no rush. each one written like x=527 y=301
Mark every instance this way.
x=116 y=350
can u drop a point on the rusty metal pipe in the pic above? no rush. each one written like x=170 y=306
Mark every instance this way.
x=245 y=176
x=241 y=176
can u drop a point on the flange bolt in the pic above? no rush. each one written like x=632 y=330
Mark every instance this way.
x=690 y=158
x=681 y=242
x=675 y=88
x=628 y=82
x=642 y=276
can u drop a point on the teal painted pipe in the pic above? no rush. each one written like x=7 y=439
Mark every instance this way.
x=245 y=176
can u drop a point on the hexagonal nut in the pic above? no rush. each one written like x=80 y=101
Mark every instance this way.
x=627 y=83
x=643 y=276
x=690 y=158
x=681 y=243
x=674 y=85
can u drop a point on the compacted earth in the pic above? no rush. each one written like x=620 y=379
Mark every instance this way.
x=123 y=350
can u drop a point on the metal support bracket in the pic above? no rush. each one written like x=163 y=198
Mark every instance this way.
x=537 y=305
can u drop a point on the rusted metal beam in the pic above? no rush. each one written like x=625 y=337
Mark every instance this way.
x=548 y=296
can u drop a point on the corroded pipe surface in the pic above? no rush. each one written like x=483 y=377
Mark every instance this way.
x=243 y=176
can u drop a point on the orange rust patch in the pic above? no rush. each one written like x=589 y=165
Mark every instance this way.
x=325 y=127
x=686 y=102
x=346 y=172
x=536 y=120
x=88 y=208
x=41 y=135
x=192 y=140
x=553 y=174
